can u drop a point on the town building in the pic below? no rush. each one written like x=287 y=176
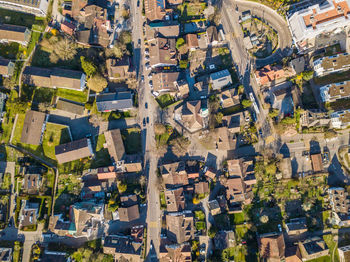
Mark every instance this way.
x=316 y=161
x=340 y=119
x=32 y=183
x=28 y=214
x=331 y=64
x=192 y=42
x=339 y=200
x=6 y=67
x=220 y=79
x=54 y=78
x=174 y=252
x=115 y=145
x=201 y=188
x=74 y=150
x=234 y=122
x=229 y=98
x=272 y=247
x=314 y=118
x=37 y=8
x=335 y=91
x=180 y=226
x=122 y=248
x=313 y=248
x=270 y=75
x=170 y=83
x=224 y=239
x=70 y=106
x=165 y=29
x=174 y=199
x=119 y=68
x=162 y=52
x=129 y=210
x=119 y=101
x=174 y=174
x=155 y=10
x=315 y=20
x=193 y=115
x=14 y=33
x=296 y=226
x=33 y=127
x=298 y=65
x=214 y=207
x=5 y=254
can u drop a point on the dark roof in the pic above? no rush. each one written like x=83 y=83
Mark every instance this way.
x=114 y=101
x=6 y=67
x=33 y=127
x=128 y=214
x=70 y=106
x=14 y=33
x=115 y=144
x=73 y=150
x=122 y=245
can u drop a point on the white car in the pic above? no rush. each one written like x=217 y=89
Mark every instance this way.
x=148 y=67
x=146 y=52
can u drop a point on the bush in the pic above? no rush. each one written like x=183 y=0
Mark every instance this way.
x=122 y=187
x=246 y=103
x=180 y=42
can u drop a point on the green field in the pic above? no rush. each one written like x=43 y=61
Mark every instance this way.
x=77 y=96
x=18 y=18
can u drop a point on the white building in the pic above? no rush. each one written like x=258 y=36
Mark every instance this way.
x=305 y=25
x=331 y=64
x=332 y=92
x=340 y=119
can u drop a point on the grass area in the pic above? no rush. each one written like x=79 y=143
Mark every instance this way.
x=43 y=95
x=9 y=50
x=321 y=259
x=77 y=96
x=191 y=11
x=132 y=140
x=332 y=245
x=237 y=218
x=332 y=78
x=199 y=214
x=6 y=181
x=241 y=231
x=165 y=100
x=33 y=40
x=102 y=157
x=54 y=135
x=18 y=18
x=162 y=200
x=200 y=225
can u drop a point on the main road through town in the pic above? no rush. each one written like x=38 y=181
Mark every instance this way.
x=148 y=113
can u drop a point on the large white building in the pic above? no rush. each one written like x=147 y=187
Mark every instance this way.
x=335 y=91
x=331 y=64
x=306 y=24
x=340 y=119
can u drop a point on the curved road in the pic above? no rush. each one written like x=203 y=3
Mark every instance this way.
x=275 y=21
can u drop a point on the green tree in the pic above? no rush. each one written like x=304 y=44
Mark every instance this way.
x=212 y=231
x=180 y=42
x=88 y=67
x=218 y=118
x=122 y=187
x=308 y=75
x=271 y=169
x=97 y=83
x=273 y=113
x=125 y=37
x=246 y=103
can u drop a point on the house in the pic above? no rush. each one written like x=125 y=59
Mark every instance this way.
x=313 y=248
x=155 y=10
x=175 y=199
x=220 y=79
x=37 y=8
x=170 y=83
x=201 y=188
x=292 y=254
x=174 y=252
x=129 y=210
x=212 y=35
x=229 y=98
x=119 y=101
x=174 y=174
x=28 y=214
x=32 y=183
x=314 y=118
x=236 y=192
x=221 y=139
x=344 y=253
x=331 y=64
x=269 y=75
x=6 y=67
x=94 y=23
x=323 y=17
x=119 y=68
x=174 y=2
x=298 y=65
x=224 y=239
x=106 y=173
x=5 y=254
x=165 y=29
x=316 y=161
x=339 y=200
x=33 y=127
x=70 y=106
x=14 y=33
x=73 y=150
x=192 y=169
x=162 y=52
x=115 y=145
x=340 y=119
x=214 y=207
x=192 y=41
x=54 y=78
x=271 y=247
x=296 y=226
x=180 y=226
x=335 y=91
x=283 y=99
x=122 y=248
x=68 y=28
x=192 y=115
x=234 y=122
x=241 y=168
x=210 y=174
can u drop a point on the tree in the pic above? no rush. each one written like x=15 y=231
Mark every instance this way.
x=122 y=187
x=218 y=118
x=274 y=113
x=125 y=37
x=65 y=49
x=246 y=103
x=195 y=201
x=240 y=89
x=179 y=145
x=308 y=75
x=97 y=83
x=264 y=219
x=125 y=14
x=9 y=82
x=271 y=169
x=212 y=231
x=180 y=42
x=88 y=67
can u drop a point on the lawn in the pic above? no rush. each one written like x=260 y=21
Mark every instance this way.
x=191 y=10
x=43 y=95
x=332 y=245
x=165 y=100
x=102 y=157
x=9 y=50
x=132 y=140
x=18 y=18
x=162 y=200
x=6 y=181
x=77 y=96
x=199 y=215
x=237 y=218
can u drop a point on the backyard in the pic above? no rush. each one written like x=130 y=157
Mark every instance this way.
x=18 y=18
x=191 y=11
x=132 y=140
x=102 y=156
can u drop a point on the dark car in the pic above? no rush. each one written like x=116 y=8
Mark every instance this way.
x=139 y=41
x=147 y=120
x=144 y=122
x=142 y=78
x=138 y=3
x=146 y=105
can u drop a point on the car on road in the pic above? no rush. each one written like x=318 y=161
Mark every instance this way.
x=150 y=83
x=146 y=51
x=138 y=3
x=280 y=227
x=139 y=41
x=260 y=132
x=142 y=78
x=147 y=120
x=146 y=105
x=144 y=122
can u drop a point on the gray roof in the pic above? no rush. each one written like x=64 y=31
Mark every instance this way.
x=220 y=79
x=14 y=33
x=114 y=101
x=6 y=67
x=33 y=127
x=73 y=150
x=70 y=106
